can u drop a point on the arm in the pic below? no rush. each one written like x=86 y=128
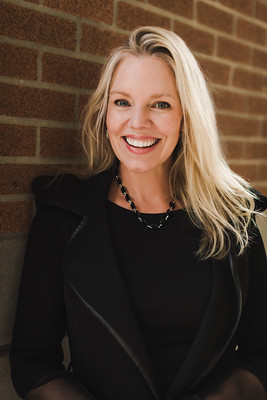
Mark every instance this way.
x=36 y=354
x=60 y=389
x=240 y=384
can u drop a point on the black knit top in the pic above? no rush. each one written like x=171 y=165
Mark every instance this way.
x=168 y=285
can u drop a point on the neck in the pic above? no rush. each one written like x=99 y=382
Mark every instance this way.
x=149 y=191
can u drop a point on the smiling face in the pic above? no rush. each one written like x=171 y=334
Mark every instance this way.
x=144 y=114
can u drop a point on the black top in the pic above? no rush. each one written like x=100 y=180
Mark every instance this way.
x=162 y=263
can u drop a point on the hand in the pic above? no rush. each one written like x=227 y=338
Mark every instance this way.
x=239 y=385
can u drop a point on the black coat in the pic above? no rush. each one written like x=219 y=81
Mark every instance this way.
x=108 y=353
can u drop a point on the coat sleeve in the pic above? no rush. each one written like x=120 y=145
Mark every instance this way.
x=247 y=377
x=252 y=333
x=36 y=355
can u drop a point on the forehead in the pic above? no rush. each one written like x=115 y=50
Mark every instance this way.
x=145 y=71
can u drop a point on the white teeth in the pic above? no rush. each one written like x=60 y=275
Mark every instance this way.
x=140 y=143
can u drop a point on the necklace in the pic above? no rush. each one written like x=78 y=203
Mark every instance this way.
x=154 y=227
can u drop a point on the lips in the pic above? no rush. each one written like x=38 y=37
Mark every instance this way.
x=137 y=143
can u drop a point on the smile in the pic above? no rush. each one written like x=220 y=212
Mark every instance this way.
x=140 y=143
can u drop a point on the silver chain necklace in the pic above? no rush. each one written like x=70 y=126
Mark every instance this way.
x=154 y=227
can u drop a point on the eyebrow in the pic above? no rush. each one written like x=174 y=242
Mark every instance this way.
x=154 y=96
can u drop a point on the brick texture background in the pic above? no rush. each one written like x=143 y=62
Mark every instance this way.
x=51 y=52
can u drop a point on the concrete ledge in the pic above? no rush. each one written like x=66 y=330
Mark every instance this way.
x=11 y=259
x=7 y=391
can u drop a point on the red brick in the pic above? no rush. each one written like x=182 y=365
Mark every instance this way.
x=231 y=101
x=15 y=216
x=256 y=150
x=19 y=101
x=258 y=105
x=69 y=71
x=248 y=172
x=235 y=126
x=25 y=24
x=214 y=17
x=260 y=58
x=18 y=62
x=17 y=178
x=179 y=7
x=233 y=149
x=261 y=10
x=129 y=17
x=55 y=142
x=234 y=51
x=215 y=72
x=17 y=140
x=251 y=32
x=196 y=39
x=248 y=80
x=263 y=172
x=97 y=10
x=242 y=6
x=99 y=41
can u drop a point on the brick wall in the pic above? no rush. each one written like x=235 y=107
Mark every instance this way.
x=50 y=55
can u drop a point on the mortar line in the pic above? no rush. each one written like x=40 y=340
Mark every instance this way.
x=4 y=119
x=115 y=12
x=55 y=87
x=5 y=198
x=38 y=141
x=194 y=11
x=40 y=160
x=77 y=108
x=75 y=90
x=39 y=65
x=146 y=6
x=78 y=37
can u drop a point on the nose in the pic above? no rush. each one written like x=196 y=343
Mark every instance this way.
x=139 y=118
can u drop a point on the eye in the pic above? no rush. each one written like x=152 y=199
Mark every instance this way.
x=121 y=103
x=162 y=105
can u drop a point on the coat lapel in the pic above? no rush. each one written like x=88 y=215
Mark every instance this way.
x=91 y=269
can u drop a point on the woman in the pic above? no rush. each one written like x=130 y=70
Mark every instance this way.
x=157 y=304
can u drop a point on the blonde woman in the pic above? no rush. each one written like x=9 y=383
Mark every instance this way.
x=153 y=264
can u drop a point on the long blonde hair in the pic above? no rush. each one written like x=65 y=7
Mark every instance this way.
x=218 y=201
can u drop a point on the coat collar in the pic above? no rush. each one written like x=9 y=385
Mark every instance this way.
x=80 y=196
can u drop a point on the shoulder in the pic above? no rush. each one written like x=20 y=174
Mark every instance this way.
x=70 y=192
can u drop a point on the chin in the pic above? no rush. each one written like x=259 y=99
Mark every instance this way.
x=141 y=167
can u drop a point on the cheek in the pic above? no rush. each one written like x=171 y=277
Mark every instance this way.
x=108 y=118
x=113 y=121
x=177 y=124
x=172 y=127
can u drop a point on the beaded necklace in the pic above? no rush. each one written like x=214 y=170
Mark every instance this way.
x=154 y=227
